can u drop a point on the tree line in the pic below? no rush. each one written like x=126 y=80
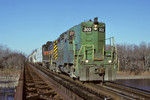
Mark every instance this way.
x=134 y=58
x=10 y=59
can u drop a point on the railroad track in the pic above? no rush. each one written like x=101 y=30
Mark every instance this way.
x=105 y=91
x=132 y=92
x=37 y=88
x=120 y=92
x=72 y=88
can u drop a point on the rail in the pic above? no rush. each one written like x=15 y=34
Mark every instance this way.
x=132 y=92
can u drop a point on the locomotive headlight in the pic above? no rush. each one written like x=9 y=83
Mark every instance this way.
x=95 y=28
x=109 y=61
x=86 y=61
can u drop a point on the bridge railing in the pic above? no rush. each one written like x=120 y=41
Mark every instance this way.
x=19 y=95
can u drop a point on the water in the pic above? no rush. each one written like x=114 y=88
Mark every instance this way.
x=7 y=90
x=7 y=93
x=137 y=83
x=8 y=82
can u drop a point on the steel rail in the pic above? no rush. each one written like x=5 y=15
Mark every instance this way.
x=127 y=90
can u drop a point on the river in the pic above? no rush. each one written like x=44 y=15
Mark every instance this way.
x=7 y=93
x=137 y=83
x=7 y=87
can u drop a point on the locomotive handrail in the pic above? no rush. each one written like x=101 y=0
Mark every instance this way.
x=74 y=53
x=83 y=47
x=114 y=44
x=113 y=49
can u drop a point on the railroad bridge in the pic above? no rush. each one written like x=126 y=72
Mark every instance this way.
x=39 y=83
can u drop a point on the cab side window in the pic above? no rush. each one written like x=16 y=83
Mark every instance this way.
x=71 y=36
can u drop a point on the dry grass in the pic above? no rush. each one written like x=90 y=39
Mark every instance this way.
x=9 y=72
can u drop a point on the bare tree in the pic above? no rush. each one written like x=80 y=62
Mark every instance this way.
x=9 y=59
x=134 y=58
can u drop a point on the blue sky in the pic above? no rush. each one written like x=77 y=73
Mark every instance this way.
x=27 y=24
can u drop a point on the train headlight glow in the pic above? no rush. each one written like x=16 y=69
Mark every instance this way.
x=109 y=61
x=86 y=61
x=95 y=28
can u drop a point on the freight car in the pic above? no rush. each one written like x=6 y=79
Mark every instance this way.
x=82 y=53
x=36 y=56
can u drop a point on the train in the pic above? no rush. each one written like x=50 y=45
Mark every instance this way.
x=82 y=52
x=36 y=56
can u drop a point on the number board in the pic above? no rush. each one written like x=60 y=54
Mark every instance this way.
x=87 y=29
x=101 y=29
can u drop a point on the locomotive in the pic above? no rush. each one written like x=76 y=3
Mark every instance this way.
x=82 y=52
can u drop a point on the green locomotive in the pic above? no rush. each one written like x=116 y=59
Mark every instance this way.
x=82 y=53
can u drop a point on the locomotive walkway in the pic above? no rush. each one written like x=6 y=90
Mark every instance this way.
x=38 y=83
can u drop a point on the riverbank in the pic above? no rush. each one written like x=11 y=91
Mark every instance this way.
x=128 y=75
x=9 y=78
x=9 y=72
